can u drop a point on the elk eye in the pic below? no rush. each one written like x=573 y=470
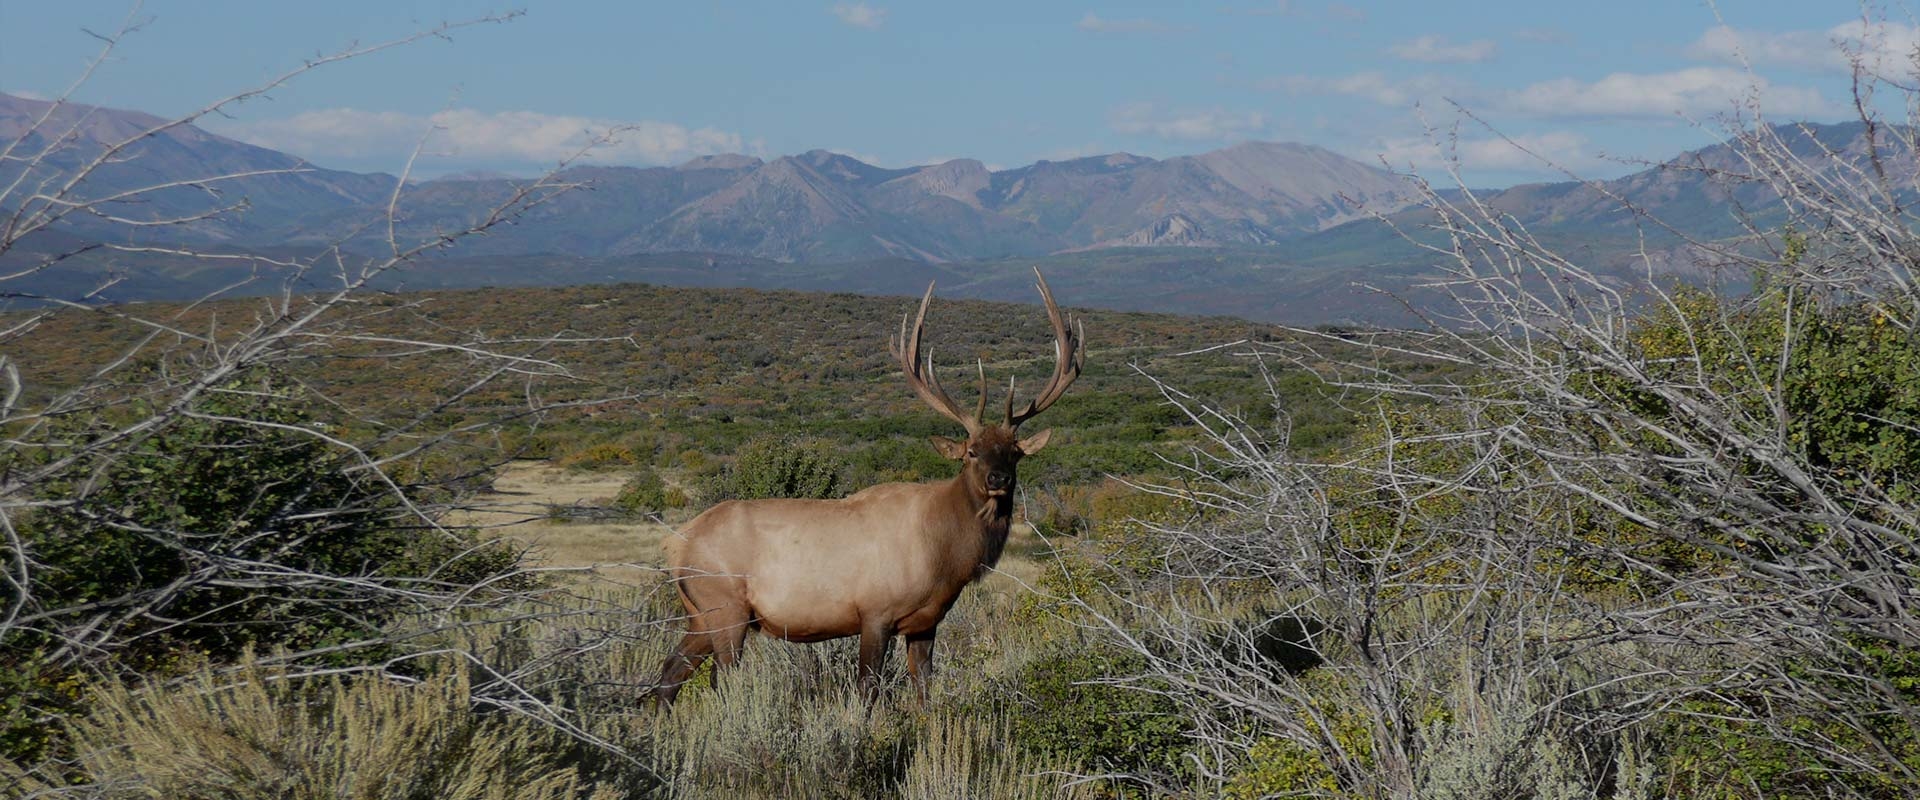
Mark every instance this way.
x=970 y=453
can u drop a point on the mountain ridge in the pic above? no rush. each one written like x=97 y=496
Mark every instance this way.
x=1274 y=231
x=817 y=206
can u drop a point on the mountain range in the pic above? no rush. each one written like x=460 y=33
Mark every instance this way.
x=813 y=207
x=1292 y=223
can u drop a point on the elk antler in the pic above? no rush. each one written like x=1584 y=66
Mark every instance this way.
x=1067 y=361
x=921 y=375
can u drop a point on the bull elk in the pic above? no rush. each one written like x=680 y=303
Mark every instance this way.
x=887 y=561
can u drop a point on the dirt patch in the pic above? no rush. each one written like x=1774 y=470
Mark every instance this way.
x=529 y=503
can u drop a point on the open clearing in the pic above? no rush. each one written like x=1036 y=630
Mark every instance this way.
x=528 y=502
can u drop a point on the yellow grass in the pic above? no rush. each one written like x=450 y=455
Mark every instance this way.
x=520 y=507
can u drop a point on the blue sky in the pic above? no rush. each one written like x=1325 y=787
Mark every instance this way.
x=1588 y=84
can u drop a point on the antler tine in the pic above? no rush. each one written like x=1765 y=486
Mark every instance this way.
x=980 y=408
x=1009 y=401
x=925 y=380
x=1067 y=361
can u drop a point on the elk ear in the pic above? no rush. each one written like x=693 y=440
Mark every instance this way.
x=1032 y=444
x=949 y=448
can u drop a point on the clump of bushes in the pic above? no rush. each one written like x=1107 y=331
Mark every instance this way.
x=600 y=456
x=1073 y=704
x=156 y=526
x=1119 y=554
x=1736 y=746
x=647 y=493
x=224 y=530
x=782 y=467
x=1074 y=509
x=1338 y=745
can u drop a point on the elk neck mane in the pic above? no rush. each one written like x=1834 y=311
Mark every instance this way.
x=995 y=518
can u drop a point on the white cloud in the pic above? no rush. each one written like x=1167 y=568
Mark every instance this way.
x=860 y=15
x=1373 y=86
x=1696 y=91
x=521 y=137
x=1437 y=50
x=1202 y=125
x=1887 y=48
x=1094 y=23
x=1539 y=153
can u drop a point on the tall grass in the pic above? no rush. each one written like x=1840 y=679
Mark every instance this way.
x=252 y=733
x=786 y=722
x=957 y=756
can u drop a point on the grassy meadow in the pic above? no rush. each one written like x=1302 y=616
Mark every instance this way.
x=669 y=386
x=1228 y=577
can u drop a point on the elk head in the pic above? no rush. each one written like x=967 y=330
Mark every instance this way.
x=992 y=450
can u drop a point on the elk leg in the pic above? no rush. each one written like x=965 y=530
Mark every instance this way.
x=875 y=638
x=920 y=662
x=728 y=641
x=693 y=649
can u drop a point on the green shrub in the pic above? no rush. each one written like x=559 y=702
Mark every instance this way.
x=647 y=493
x=239 y=486
x=1848 y=391
x=600 y=456
x=219 y=532
x=35 y=695
x=1068 y=706
x=1281 y=767
x=781 y=467
x=1118 y=556
x=1737 y=747
x=1334 y=751
x=898 y=458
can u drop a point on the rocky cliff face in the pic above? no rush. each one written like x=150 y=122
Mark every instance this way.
x=1177 y=230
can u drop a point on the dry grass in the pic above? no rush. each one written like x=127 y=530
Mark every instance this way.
x=959 y=756
x=521 y=507
x=252 y=733
x=786 y=722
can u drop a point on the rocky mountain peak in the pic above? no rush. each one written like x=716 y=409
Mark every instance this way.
x=961 y=179
x=1173 y=230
